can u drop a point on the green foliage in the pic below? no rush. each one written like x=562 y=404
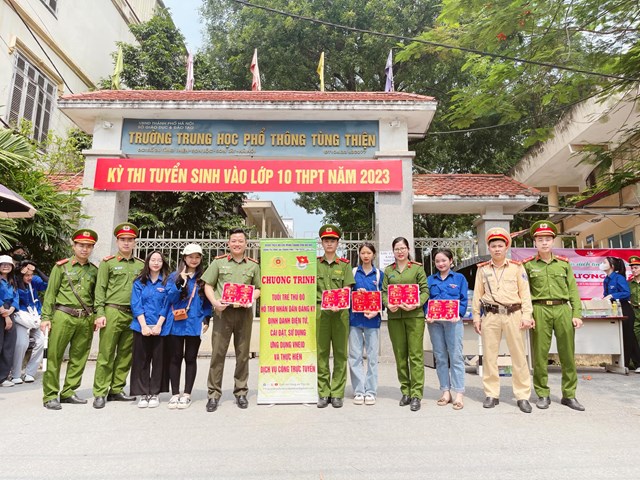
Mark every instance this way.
x=353 y=212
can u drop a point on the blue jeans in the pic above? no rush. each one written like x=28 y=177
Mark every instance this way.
x=358 y=337
x=446 y=338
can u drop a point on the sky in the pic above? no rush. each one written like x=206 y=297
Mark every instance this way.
x=186 y=16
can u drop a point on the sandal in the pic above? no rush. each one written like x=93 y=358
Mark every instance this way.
x=458 y=405
x=443 y=401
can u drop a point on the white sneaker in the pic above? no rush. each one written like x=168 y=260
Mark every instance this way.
x=358 y=399
x=173 y=402
x=7 y=383
x=369 y=400
x=638 y=370
x=143 y=402
x=17 y=381
x=153 y=401
x=184 y=402
x=29 y=379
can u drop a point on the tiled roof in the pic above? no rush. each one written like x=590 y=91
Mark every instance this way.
x=469 y=185
x=243 y=96
x=66 y=182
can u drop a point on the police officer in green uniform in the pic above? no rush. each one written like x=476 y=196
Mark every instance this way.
x=116 y=274
x=332 y=326
x=67 y=311
x=556 y=310
x=235 y=320
x=406 y=324
x=634 y=286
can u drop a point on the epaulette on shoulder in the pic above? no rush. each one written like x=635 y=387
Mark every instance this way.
x=528 y=259
x=416 y=263
x=108 y=257
x=484 y=264
x=516 y=262
x=252 y=260
x=221 y=256
x=563 y=258
x=344 y=260
x=62 y=262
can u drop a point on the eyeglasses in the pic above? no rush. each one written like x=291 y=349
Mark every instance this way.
x=398 y=250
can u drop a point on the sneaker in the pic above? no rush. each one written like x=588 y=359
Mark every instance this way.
x=184 y=402
x=143 y=402
x=358 y=399
x=153 y=401
x=369 y=400
x=29 y=379
x=7 y=383
x=173 y=402
x=17 y=381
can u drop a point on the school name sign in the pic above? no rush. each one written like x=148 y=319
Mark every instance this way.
x=197 y=175
x=250 y=139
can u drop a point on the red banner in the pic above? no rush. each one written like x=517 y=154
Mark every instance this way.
x=148 y=174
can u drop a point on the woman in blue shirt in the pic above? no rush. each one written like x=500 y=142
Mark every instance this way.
x=364 y=328
x=186 y=291
x=9 y=303
x=148 y=298
x=616 y=288
x=29 y=284
x=446 y=336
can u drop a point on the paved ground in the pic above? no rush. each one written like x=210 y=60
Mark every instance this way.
x=302 y=442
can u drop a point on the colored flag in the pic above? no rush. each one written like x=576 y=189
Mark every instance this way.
x=320 y=71
x=388 y=70
x=190 y=78
x=256 y=86
x=115 y=78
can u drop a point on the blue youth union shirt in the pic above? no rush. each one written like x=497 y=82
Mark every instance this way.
x=453 y=287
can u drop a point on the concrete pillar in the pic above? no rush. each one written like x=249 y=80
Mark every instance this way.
x=394 y=210
x=493 y=217
x=554 y=206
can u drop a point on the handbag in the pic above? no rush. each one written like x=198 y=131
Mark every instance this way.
x=183 y=313
x=29 y=318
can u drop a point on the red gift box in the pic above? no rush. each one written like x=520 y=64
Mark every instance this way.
x=339 y=297
x=237 y=293
x=443 y=310
x=408 y=294
x=366 y=301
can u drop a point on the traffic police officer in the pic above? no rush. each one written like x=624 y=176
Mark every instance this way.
x=67 y=311
x=556 y=310
x=116 y=274
x=234 y=267
x=634 y=286
x=502 y=291
x=332 y=326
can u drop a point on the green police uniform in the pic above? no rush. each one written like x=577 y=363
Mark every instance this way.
x=406 y=329
x=236 y=321
x=113 y=301
x=332 y=328
x=74 y=328
x=634 y=286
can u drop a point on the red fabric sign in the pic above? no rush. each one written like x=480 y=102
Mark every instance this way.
x=146 y=174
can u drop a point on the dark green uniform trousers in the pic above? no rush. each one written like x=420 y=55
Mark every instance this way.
x=332 y=331
x=114 y=354
x=237 y=322
x=77 y=333
x=552 y=319
x=407 y=337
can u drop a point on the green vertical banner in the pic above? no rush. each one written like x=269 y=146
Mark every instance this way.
x=288 y=355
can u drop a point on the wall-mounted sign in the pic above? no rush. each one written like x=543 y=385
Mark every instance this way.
x=250 y=139
x=195 y=175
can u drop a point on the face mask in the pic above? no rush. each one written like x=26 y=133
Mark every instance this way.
x=18 y=257
x=604 y=267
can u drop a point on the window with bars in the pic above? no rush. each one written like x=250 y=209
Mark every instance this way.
x=32 y=97
x=51 y=5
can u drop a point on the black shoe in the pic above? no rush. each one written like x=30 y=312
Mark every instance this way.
x=75 y=399
x=572 y=403
x=543 y=403
x=212 y=405
x=120 y=397
x=490 y=402
x=52 y=404
x=323 y=402
x=524 y=406
x=405 y=400
x=99 y=402
x=336 y=402
x=242 y=402
x=416 y=403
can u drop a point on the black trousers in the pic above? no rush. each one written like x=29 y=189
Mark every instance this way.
x=7 y=348
x=629 y=340
x=147 y=365
x=183 y=348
